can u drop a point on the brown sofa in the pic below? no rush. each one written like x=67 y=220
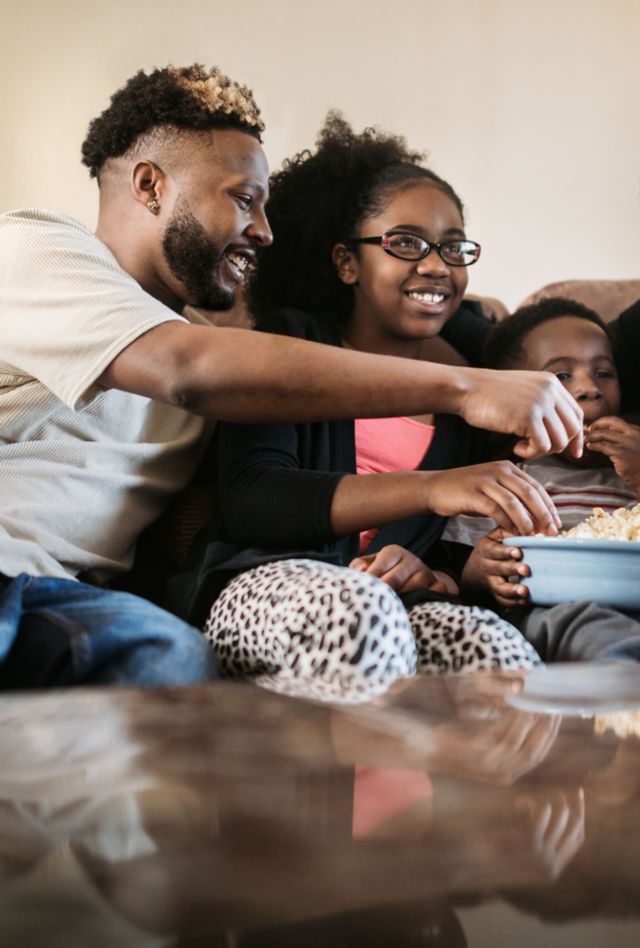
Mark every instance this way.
x=607 y=297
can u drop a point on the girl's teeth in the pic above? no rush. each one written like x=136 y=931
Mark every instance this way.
x=428 y=297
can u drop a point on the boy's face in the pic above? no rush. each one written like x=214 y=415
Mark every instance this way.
x=579 y=354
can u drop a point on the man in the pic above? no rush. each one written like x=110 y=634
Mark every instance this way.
x=105 y=386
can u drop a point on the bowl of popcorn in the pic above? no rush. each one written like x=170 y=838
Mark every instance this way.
x=599 y=560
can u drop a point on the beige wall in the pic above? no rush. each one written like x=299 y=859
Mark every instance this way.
x=529 y=107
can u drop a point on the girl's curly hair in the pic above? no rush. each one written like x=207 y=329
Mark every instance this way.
x=319 y=199
x=191 y=97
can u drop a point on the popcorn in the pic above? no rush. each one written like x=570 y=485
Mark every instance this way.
x=623 y=723
x=620 y=524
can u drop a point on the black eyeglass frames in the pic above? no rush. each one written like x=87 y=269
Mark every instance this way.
x=407 y=246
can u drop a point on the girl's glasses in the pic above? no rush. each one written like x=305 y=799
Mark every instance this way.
x=406 y=246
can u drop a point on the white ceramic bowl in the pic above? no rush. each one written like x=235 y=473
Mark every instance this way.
x=568 y=568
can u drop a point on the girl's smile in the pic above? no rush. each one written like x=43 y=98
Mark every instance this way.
x=398 y=303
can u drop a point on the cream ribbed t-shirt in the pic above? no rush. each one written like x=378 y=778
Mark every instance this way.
x=82 y=470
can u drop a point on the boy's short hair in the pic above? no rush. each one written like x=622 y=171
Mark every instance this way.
x=505 y=345
x=190 y=98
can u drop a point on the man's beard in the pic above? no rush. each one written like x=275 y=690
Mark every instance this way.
x=194 y=259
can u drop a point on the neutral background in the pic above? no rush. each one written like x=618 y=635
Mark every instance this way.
x=529 y=107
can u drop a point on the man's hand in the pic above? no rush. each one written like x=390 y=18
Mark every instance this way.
x=534 y=406
x=499 y=490
x=401 y=569
x=557 y=823
x=490 y=568
x=620 y=442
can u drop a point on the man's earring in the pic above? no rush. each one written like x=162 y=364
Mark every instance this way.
x=153 y=205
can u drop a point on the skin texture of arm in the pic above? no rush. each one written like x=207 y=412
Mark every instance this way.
x=240 y=375
x=497 y=489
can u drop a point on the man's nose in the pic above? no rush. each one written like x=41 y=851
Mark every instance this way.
x=260 y=231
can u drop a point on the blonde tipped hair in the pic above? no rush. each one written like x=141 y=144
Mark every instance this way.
x=189 y=98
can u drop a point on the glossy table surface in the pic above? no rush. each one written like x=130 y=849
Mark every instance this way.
x=477 y=810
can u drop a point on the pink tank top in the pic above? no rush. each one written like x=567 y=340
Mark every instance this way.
x=389 y=444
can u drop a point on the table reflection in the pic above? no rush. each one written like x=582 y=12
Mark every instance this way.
x=230 y=815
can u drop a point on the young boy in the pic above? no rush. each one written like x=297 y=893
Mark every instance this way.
x=570 y=340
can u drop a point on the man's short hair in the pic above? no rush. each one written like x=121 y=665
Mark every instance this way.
x=190 y=98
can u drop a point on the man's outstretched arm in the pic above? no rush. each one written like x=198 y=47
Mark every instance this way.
x=245 y=376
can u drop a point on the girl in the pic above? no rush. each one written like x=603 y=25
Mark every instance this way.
x=330 y=530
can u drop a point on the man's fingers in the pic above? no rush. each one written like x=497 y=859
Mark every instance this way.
x=533 y=406
x=574 y=835
x=533 y=446
x=554 y=425
x=572 y=418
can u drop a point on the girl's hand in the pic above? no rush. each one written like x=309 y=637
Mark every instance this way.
x=401 y=569
x=620 y=441
x=499 y=490
x=490 y=567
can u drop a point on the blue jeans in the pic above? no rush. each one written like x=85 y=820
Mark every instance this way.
x=61 y=632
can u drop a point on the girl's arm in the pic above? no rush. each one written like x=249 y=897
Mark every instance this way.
x=497 y=489
x=267 y=496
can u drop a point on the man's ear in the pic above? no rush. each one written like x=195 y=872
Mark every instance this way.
x=148 y=185
x=346 y=264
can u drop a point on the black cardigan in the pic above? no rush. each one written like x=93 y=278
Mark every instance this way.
x=278 y=481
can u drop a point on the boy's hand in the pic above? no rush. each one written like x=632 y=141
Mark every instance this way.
x=400 y=569
x=489 y=568
x=620 y=442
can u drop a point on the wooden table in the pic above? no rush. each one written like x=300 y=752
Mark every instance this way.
x=479 y=810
